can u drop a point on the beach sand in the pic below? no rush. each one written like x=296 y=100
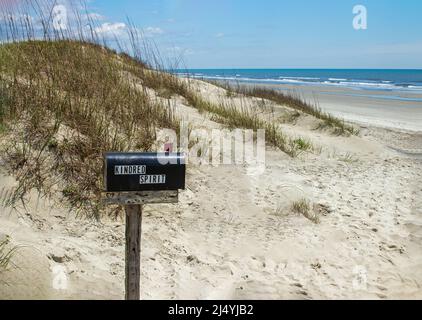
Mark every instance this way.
x=234 y=235
x=386 y=109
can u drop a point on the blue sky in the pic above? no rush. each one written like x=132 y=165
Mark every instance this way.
x=277 y=33
x=273 y=33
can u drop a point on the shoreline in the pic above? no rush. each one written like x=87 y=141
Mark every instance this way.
x=360 y=106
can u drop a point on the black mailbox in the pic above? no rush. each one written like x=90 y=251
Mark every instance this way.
x=132 y=172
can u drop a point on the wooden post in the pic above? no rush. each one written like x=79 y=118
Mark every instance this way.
x=133 y=251
x=133 y=179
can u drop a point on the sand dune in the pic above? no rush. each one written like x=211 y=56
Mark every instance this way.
x=385 y=109
x=234 y=236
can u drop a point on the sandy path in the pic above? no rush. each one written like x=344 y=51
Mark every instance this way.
x=233 y=234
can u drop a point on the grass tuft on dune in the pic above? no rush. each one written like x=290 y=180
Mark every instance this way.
x=224 y=112
x=67 y=99
x=66 y=103
x=337 y=125
x=6 y=253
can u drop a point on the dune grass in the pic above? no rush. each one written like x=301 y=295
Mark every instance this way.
x=6 y=253
x=338 y=126
x=304 y=208
x=3 y=103
x=72 y=104
x=67 y=99
x=224 y=112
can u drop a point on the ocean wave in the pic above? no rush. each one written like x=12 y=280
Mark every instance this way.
x=336 y=79
x=291 y=81
x=415 y=87
x=299 y=78
x=368 y=84
x=313 y=81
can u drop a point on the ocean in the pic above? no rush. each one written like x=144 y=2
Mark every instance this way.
x=359 y=79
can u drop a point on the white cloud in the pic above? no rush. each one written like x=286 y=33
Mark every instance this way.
x=108 y=29
x=16 y=17
x=112 y=29
x=219 y=35
x=152 y=31
x=176 y=49
x=180 y=51
x=94 y=16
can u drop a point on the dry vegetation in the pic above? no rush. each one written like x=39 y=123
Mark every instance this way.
x=6 y=253
x=3 y=103
x=338 y=126
x=65 y=99
x=65 y=104
x=224 y=112
x=304 y=208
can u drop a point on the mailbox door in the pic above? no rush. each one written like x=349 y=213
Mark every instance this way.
x=131 y=172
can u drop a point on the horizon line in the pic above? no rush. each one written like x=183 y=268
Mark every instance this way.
x=244 y=68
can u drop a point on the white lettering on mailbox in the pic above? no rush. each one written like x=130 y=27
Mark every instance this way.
x=129 y=170
x=153 y=179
